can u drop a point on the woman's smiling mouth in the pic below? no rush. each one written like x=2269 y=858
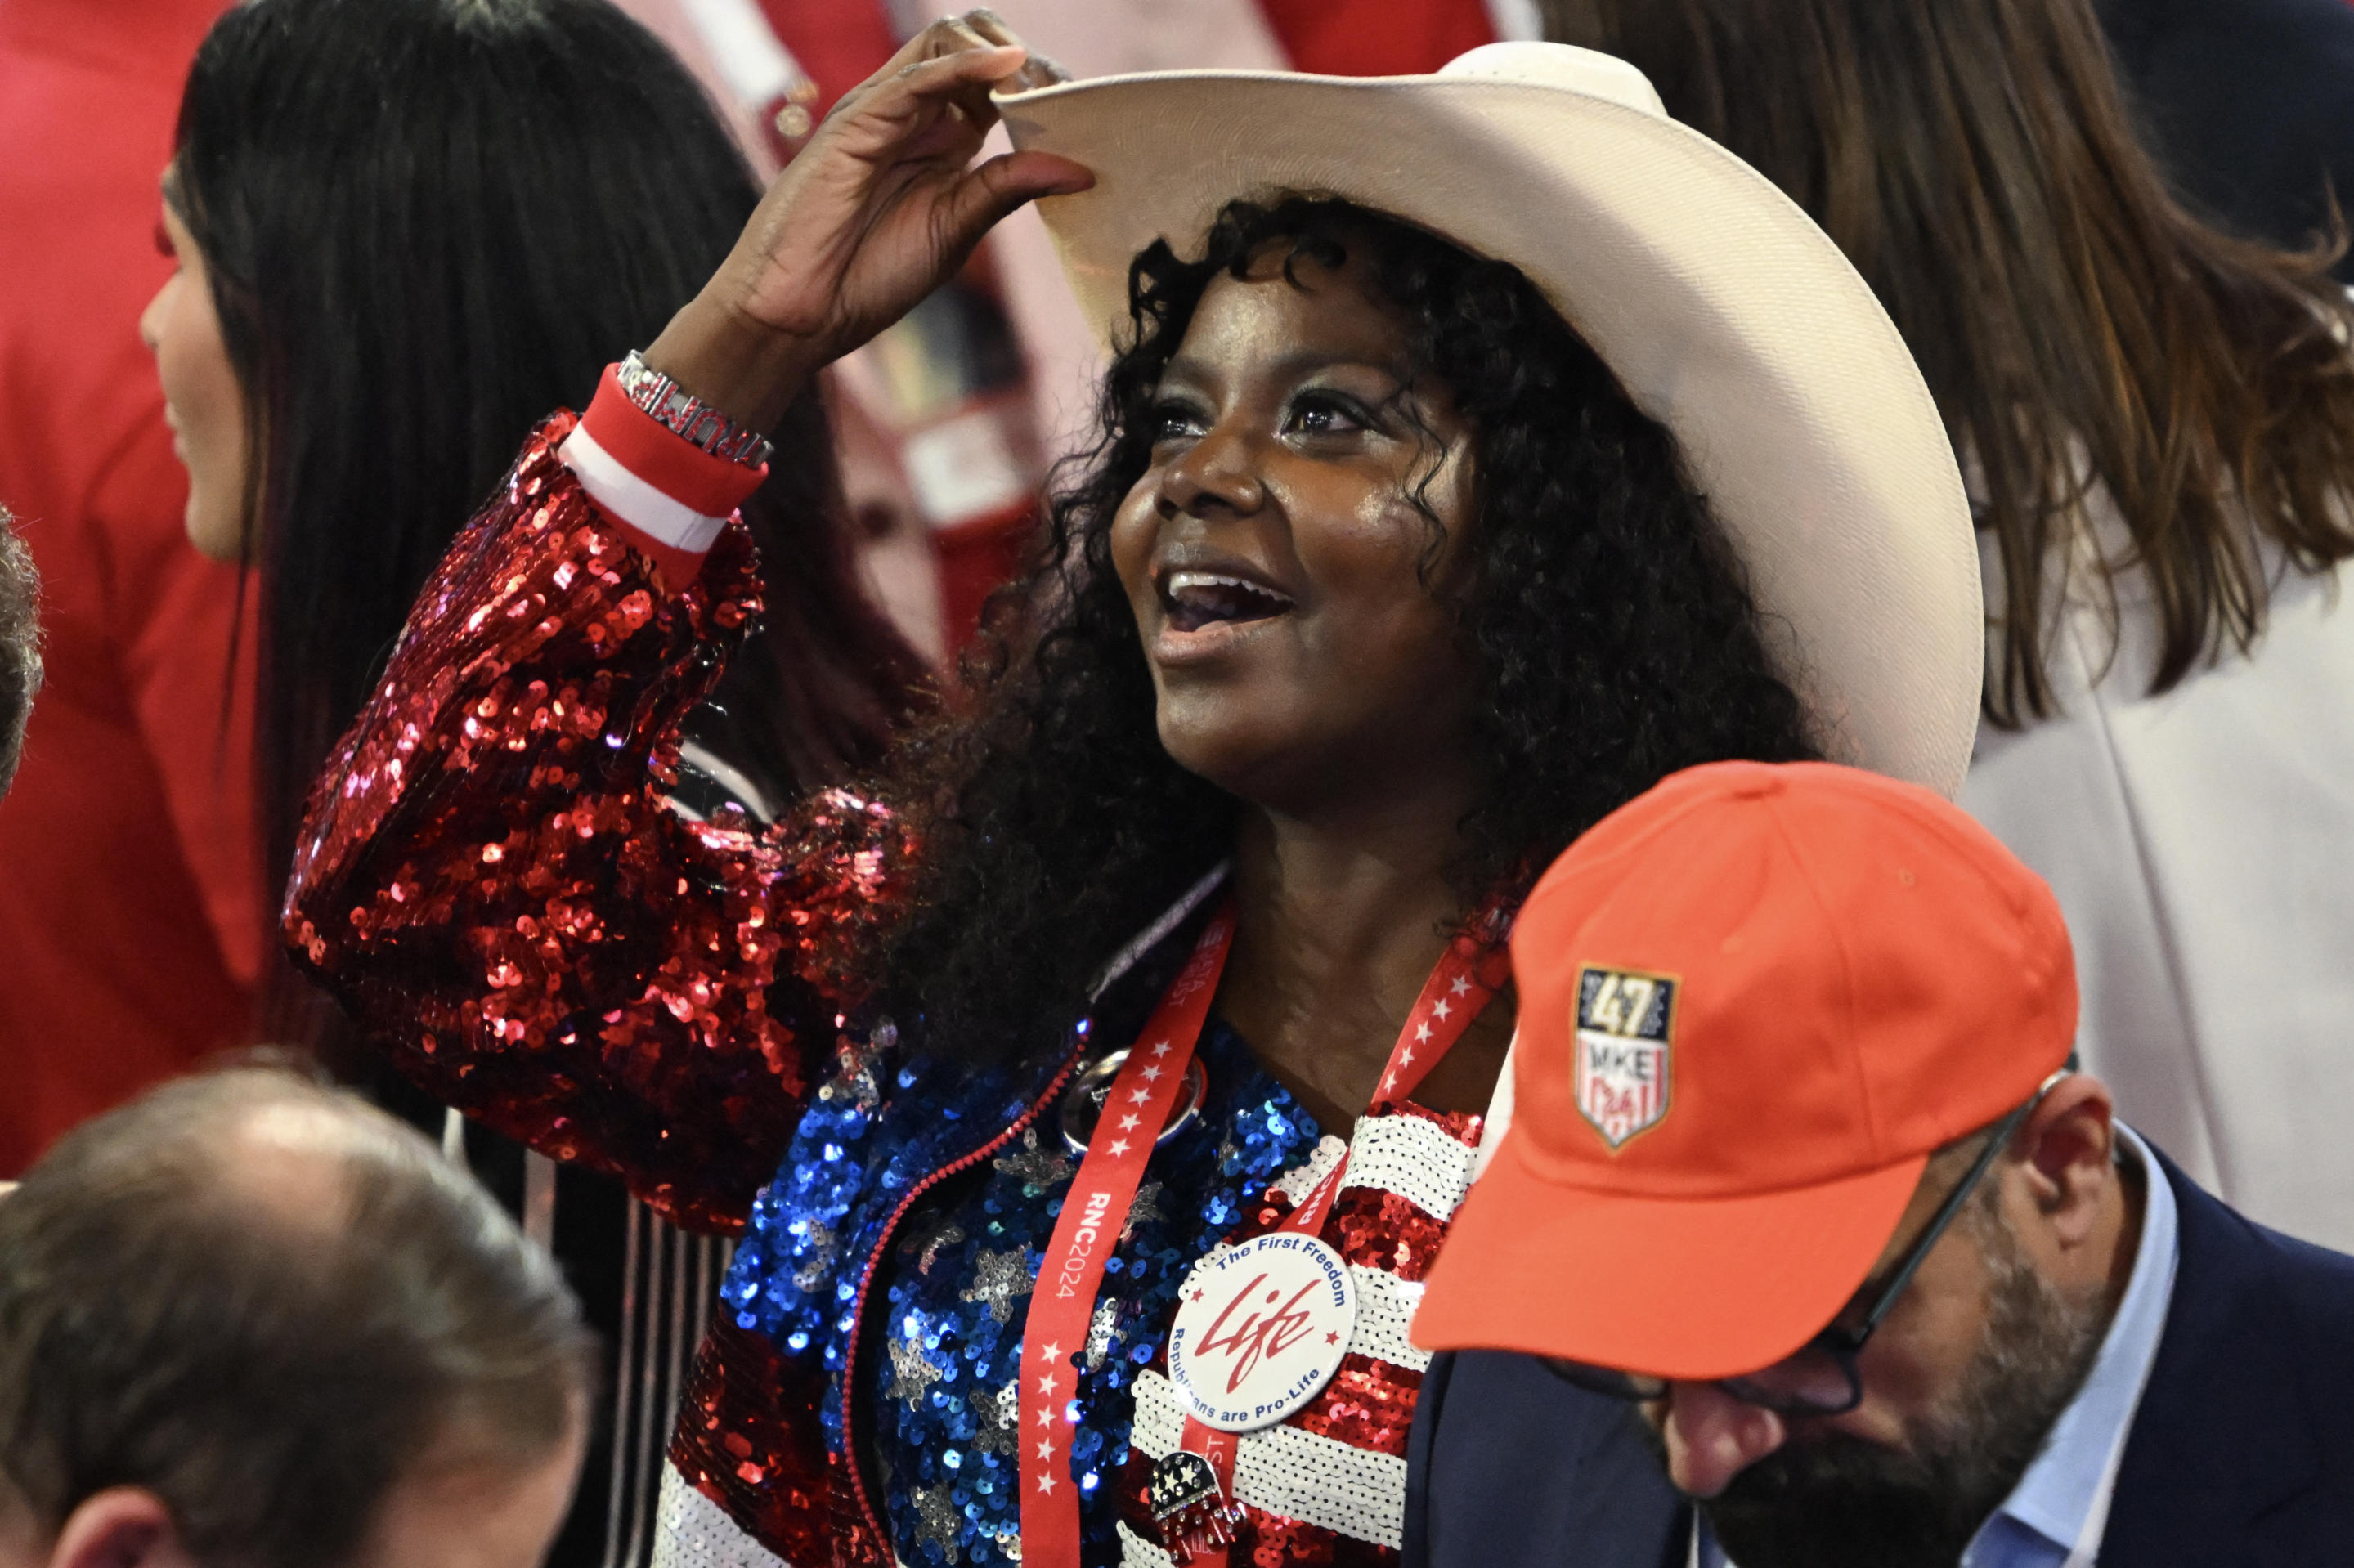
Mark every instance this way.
x=1196 y=600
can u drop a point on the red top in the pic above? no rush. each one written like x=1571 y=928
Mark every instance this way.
x=1376 y=38
x=131 y=910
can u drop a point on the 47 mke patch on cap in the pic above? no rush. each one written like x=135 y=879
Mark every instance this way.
x=1626 y=1031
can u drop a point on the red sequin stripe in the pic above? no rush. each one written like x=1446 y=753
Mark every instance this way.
x=1275 y=1542
x=1371 y=1226
x=747 y=1439
x=1368 y=1404
x=1375 y=1229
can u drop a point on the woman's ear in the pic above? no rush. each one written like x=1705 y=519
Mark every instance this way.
x=122 y=1526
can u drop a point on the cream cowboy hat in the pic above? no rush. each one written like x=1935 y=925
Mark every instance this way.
x=1728 y=314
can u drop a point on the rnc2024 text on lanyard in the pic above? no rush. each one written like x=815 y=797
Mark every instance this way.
x=1261 y=1326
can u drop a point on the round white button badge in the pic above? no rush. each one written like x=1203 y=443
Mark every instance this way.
x=1261 y=1328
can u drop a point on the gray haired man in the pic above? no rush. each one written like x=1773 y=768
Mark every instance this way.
x=250 y=1320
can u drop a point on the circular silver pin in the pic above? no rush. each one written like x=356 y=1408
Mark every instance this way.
x=1083 y=1102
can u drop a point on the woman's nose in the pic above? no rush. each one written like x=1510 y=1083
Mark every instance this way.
x=1713 y=1437
x=1217 y=473
x=150 y=319
x=146 y=322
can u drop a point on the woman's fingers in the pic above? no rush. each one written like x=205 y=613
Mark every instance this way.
x=874 y=212
x=963 y=30
x=1005 y=182
x=928 y=109
x=984 y=26
x=1038 y=70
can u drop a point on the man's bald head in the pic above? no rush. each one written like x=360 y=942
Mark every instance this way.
x=265 y=1302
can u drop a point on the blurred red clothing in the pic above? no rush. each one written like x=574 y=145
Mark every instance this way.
x=131 y=906
x=1376 y=38
x=838 y=45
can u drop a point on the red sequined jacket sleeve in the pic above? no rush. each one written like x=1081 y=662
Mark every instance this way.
x=490 y=883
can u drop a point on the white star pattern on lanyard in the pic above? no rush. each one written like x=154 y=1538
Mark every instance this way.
x=1119 y=1146
x=1161 y=1049
x=1438 y=1009
x=1138 y=1097
x=1128 y=1124
x=1053 y=1352
x=1149 y=1074
x=1462 y=986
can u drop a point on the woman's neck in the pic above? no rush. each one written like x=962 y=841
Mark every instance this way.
x=1338 y=924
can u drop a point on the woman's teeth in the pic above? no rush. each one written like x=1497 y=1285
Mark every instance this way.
x=1196 y=599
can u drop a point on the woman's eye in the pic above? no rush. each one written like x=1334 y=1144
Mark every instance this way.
x=163 y=245
x=1324 y=414
x=1172 y=422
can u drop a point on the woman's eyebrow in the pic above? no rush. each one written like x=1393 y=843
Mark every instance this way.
x=1309 y=361
x=1291 y=367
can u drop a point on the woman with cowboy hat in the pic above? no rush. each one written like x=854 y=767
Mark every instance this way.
x=1477 y=449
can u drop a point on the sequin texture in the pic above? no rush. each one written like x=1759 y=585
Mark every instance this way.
x=965 y=1312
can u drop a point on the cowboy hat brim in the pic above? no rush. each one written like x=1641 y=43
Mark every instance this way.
x=1727 y=313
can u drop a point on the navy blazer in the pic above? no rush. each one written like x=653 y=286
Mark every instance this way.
x=2241 y=1456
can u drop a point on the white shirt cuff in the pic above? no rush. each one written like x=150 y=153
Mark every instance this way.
x=632 y=500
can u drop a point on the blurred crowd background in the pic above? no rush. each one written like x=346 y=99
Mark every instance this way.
x=135 y=907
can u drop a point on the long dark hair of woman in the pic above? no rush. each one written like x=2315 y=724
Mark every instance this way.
x=429 y=222
x=1615 y=636
x=1974 y=160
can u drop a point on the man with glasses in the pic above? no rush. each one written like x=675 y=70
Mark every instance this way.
x=1800 y=1173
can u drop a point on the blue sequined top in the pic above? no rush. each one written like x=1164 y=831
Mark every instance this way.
x=945 y=1397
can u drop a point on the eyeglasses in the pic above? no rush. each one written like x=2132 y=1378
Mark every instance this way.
x=1822 y=1377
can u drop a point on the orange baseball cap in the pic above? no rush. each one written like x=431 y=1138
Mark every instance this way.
x=1753 y=1002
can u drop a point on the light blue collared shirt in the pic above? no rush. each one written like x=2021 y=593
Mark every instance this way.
x=2057 y=1514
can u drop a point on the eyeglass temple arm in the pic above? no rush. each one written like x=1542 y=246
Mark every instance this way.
x=1853 y=1339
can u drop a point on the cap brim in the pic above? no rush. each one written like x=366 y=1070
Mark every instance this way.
x=1685 y=1288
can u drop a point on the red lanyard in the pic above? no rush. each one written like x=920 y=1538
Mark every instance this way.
x=1095 y=1209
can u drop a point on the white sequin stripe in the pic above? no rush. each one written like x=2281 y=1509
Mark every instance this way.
x=1299 y=1473
x=1139 y=1553
x=692 y=1531
x=1301 y=1178
x=1385 y=1307
x=1418 y=1159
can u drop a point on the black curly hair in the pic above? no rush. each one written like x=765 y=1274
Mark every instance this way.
x=1611 y=624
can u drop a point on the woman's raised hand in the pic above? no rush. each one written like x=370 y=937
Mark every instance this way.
x=882 y=206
